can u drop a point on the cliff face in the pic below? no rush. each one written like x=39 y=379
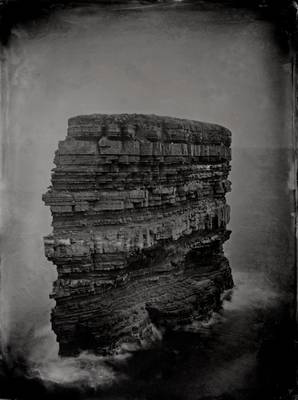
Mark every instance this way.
x=139 y=222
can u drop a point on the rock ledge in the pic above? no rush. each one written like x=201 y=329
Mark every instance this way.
x=139 y=221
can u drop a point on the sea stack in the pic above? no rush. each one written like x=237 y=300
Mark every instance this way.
x=139 y=221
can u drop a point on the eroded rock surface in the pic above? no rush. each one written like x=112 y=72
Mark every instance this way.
x=139 y=221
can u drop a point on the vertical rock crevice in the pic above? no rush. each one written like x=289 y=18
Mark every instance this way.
x=139 y=221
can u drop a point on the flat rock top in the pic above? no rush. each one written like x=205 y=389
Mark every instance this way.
x=149 y=122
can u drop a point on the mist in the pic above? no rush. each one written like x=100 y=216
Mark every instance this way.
x=209 y=66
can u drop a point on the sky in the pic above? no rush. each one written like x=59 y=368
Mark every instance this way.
x=202 y=66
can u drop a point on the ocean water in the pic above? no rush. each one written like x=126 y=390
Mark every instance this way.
x=245 y=352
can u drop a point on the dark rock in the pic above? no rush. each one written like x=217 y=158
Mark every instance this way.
x=139 y=222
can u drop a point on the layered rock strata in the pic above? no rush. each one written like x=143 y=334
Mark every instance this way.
x=139 y=221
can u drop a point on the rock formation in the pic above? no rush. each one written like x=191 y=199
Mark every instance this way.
x=139 y=221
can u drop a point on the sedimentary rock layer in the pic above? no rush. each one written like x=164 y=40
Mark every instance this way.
x=139 y=221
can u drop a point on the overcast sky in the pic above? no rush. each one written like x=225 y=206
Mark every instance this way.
x=182 y=64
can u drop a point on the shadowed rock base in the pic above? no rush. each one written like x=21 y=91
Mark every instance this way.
x=139 y=222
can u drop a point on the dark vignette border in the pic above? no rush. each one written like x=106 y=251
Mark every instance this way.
x=13 y=13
